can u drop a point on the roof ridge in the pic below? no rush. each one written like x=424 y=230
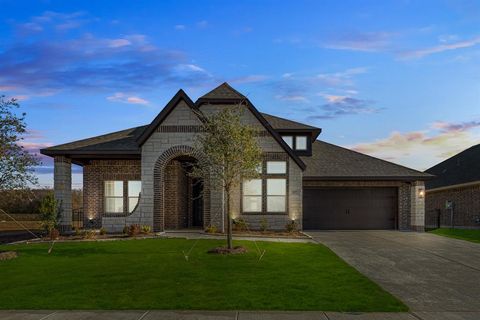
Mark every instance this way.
x=223 y=91
x=285 y=119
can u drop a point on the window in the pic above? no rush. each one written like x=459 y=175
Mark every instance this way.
x=288 y=140
x=252 y=195
x=114 y=196
x=276 y=167
x=276 y=195
x=301 y=143
x=134 y=189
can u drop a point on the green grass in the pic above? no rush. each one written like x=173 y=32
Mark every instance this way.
x=463 y=234
x=153 y=274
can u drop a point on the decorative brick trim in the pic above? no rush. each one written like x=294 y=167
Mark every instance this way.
x=159 y=185
x=180 y=128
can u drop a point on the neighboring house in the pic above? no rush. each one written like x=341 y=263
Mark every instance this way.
x=453 y=196
x=138 y=176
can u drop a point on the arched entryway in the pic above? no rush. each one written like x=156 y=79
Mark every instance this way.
x=180 y=201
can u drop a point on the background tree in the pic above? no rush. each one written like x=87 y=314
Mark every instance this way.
x=16 y=164
x=230 y=154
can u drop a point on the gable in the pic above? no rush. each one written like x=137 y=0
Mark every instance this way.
x=182 y=100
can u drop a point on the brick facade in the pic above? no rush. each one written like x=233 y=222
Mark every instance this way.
x=466 y=212
x=177 y=196
x=94 y=175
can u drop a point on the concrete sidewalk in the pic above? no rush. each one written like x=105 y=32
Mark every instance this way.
x=230 y=315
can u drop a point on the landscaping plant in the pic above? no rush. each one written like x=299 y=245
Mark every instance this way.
x=230 y=154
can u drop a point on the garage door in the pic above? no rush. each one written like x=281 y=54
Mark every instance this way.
x=349 y=208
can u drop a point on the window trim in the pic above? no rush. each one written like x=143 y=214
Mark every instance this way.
x=105 y=197
x=267 y=196
x=306 y=142
x=133 y=197
x=264 y=176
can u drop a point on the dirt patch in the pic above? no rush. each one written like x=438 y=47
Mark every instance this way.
x=7 y=255
x=224 y=250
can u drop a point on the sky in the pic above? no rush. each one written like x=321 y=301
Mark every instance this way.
x=398 y=80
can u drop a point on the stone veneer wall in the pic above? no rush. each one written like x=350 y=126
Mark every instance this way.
x=178 y=131
x=62 y=185
x=94 y=175
x=409 y=204
x=466 y=210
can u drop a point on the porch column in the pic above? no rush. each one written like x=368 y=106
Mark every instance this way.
x=417 y=213
x=62 y=185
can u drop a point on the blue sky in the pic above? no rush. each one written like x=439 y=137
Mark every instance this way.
x=399 y=80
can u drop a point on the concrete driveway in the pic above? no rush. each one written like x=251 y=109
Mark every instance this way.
x=425 y=271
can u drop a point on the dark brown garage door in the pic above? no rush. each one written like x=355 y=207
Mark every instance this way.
x=349 y=208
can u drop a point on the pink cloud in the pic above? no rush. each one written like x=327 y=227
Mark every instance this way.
x=124 y=98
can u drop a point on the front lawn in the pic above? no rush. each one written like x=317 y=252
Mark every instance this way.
x=154 y=274
x=463 y=234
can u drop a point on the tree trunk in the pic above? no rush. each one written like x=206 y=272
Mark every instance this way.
x=229 y=220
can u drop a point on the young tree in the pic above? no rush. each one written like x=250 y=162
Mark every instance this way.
x=50 y=212
x=230 y=154
x=15 y=163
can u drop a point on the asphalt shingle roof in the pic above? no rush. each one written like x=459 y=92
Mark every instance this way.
x=329 y=160
x=463 y=167
x=223 y=91
x=281 y=123
x=124 y=140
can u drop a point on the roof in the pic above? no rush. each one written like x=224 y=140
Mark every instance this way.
x=112 y=143
x=331 y=162
x=462 y=168
x=285 y=125
x=223 y=92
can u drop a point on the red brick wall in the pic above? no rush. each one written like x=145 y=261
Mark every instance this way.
x=466 y=210
x=94 y=175
x=176 y=196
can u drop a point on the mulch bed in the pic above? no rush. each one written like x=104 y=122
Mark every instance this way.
x=7 y=255
x=224 y=250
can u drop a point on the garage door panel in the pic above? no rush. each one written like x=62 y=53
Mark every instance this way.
x=350 y=208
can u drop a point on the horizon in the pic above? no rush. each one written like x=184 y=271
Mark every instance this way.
x=397 y=81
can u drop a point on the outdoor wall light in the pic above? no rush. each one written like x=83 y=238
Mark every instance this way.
x=421 y=193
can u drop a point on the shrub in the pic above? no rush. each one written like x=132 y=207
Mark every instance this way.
x=263 y=224
x=77 y=231
x=89 y=234
x=125 y=230
x=146 y=229
x=211 y=229
x=240 y=224
x=103 y=231
x=133 y=230
x=54 y=234
x=291 y=226
x=49 y=213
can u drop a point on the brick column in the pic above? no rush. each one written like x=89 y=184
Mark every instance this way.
x=417 y=213
x=62 y=185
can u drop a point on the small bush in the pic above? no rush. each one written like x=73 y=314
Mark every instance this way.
x=89 y=234
x=54 y=234
x=125 y=230
x=291 y=226
x=240 y=224
x=133 y=230
x=211 y=229
x=103 y=231
x=77 y=231
x=263 y=224
x=146 y=229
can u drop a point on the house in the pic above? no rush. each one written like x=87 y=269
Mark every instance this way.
x=138 y=176
x=453 y=196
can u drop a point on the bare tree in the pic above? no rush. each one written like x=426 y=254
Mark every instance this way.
x=230 y=154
